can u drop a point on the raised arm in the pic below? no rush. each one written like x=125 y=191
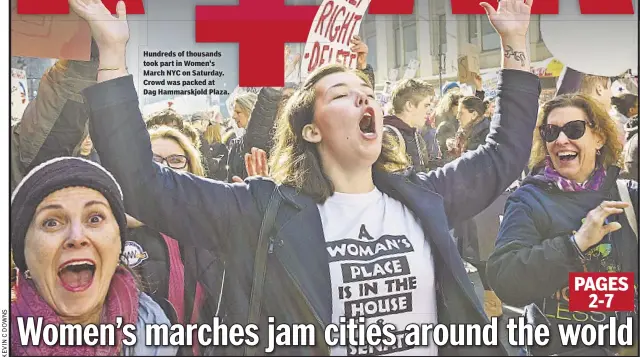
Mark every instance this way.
x=470 y=183
x=54 y=122
x=193 y=210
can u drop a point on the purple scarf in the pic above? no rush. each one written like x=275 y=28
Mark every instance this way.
x=593 y=183
x=122 y=300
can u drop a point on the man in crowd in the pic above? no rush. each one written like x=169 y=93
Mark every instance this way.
x=599 y=87
x=411 y=100
x=172 y=118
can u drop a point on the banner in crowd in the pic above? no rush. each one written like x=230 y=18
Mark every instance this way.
x=19 y=94
x=49 y=36
x=336 y=22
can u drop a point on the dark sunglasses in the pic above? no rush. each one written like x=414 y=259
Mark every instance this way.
x=177 y=162
x=574 y=130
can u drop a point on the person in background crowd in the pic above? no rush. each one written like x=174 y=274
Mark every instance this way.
x=228 y=136
x=490 y=104
x=216 y=152
x=452 y=87
x=193 y=289
x=411 y=101
x=333 y=182
x=242 y=108
x=599 y=87
x=630 y=153
x=169 y=117
x=67 y=231
x=259 y=131
x=86 y=150
x=446 y=121
x=428 y=134
x=213 y=152
x=626 y=104
x=54 y=123
x=200 y=121
x=568 y=217
x=473 y=125
x=473 y=132
x=172 y=147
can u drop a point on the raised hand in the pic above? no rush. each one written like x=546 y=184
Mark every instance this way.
x=477 y=80
x=512 y=17
x=511 y=21
x=358 y=46
x=107 y=30
x=255 y=163
x=594 y=228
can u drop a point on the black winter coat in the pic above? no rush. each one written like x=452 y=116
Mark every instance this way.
x=534 y=254
x=259 y=131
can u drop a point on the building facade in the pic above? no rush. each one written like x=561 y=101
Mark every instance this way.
x=435 y=38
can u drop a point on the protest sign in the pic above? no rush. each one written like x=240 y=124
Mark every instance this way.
x=490 y=83
x=19 y=94
x=49 y=36
x=468 y=63
x=412 y=69
x=336 y=22
x=393 y=75
x=551 y=67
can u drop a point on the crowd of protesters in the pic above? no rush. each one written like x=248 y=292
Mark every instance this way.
x=172 y=219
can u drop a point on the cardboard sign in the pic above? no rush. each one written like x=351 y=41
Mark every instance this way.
x=19 y=94
x=468 y=64
x=50 y=36
x=412 y=69
x=336 y=22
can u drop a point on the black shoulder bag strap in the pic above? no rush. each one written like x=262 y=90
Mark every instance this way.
x=260 y=262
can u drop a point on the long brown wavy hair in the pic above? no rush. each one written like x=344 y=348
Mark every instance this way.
x=296 y=162
x=598 y=120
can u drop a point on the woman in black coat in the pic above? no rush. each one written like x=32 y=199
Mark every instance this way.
x=568 y=217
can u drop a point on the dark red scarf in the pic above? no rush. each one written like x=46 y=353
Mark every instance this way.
x=122 y=301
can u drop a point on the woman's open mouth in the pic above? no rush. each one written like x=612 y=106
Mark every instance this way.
x=77 y=275
x=368 y=124
x=567 y=156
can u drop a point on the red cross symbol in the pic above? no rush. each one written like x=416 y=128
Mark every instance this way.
x=261 y=28
x=60 y=7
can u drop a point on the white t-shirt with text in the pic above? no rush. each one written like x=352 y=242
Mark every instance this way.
x=381 y=268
